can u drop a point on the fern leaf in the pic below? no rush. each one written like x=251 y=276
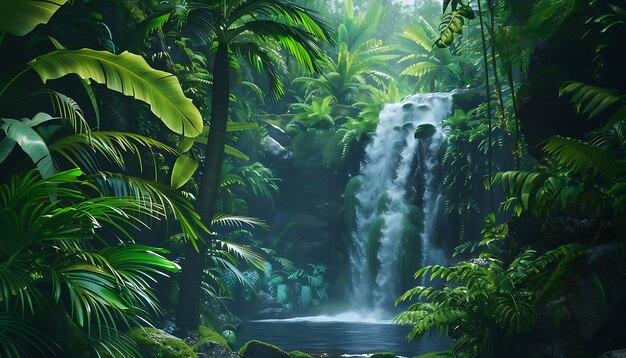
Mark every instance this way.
x=580 y=156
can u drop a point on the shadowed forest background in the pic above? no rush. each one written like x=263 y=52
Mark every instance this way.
x=192 y=178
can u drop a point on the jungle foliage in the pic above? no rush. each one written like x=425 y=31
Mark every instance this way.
x=137 y=137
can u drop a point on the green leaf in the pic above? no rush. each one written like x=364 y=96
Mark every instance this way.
x=240 y=126
x=183 y=170
x=282 y=293
x=30 y=142
x=230 y=337
x=235 y=152
x=129 y=74
x=19 y=17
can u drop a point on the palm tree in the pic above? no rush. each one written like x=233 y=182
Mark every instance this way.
x=239 y=28
x=66 y=254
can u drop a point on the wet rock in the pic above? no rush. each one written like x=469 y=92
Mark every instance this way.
x=273 y=313
x=424 y=131
x=214 y=350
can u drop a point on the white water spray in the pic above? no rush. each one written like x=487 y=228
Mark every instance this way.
x=385 y=172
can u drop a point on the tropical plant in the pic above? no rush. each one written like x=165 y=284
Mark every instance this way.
x=237 y=28
x=484 y=301
x=317 y=115
x=354 y=74
x=69 y=254
x=437 y=69
x=46 y=140
x=260 y=181
x=297 y=287
x=586 y=176
x=290 y=286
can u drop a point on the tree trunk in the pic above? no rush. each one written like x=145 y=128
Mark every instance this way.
x=189 y=300
x=488 y=92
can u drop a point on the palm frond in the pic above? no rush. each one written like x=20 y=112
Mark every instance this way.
x=296 y=14
x=16 y=333
x=82 y=149
x=154 y=193
x=238 y=221
x=264 y=61
x=66 y=108
x=246 y=253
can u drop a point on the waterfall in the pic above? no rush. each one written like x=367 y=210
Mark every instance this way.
x=383 y=201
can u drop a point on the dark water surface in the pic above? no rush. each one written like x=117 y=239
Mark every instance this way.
x=338 y=337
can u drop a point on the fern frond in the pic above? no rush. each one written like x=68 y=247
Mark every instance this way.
x=590 y=100
x=580 y=156
x=237 y=221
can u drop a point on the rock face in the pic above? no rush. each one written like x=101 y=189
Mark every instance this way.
x=586 y=314
x=569 y=54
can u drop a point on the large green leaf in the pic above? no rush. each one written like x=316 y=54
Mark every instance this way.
x=183 y=170
x=19 y=17
x=20 y=132
x=131 y=75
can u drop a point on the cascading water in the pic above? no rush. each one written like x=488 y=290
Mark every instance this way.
x=383 y=208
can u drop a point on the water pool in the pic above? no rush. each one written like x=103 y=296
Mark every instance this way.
x=336 y=336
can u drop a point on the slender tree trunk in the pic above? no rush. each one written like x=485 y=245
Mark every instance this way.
x=509 y=76
x=494 y=64
x=189 y=300
x=487 y=90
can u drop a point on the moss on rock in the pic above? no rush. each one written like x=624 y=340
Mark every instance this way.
x=298 y=354
x=157 y=343
x=383 y=355
x=258 y=349
x=207 y=334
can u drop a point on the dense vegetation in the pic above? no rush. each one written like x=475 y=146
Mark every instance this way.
x=173 y=164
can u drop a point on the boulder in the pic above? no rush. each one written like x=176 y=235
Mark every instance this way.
x=158 y=343
x=258 y=349
x=211 y=349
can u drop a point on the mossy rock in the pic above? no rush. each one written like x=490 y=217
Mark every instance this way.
x=157 y=343
x=207 y=334
x=415 y=216
x=383 y=355
x=408 y=126
x=373 y=244
x=383 y=203
x=298 y=354
x=424 y=131
x=349 y=202
x=258 y=349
